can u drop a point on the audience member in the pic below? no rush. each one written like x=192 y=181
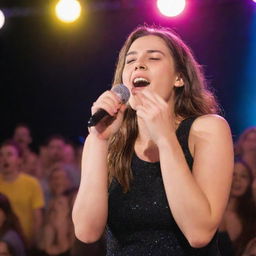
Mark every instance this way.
x=70 y=163
x=23 y=191
x=10 y=228
x=250 y=248
x=55 y=157
x=246 y=148
x=79 y=152
x=69 y=154
x=59 y=182
x=239 y=219
x=57 y=235
x=6 y=249
x=29 y=160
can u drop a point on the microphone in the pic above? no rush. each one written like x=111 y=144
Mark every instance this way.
x=123 y=94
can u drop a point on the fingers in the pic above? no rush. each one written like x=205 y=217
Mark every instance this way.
x=146 y=101
x=108 y=101
x=150 y=96
x=111 y=95
x=141 y=112
x=150 y=100
x=147 y=108
x=151 y=105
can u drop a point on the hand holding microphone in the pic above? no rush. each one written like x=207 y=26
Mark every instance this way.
x=122 y=93
x=107 y=111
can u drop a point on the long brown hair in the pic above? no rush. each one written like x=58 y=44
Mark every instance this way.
x=192 y=99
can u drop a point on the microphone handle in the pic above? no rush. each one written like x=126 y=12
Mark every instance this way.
x=96 y=117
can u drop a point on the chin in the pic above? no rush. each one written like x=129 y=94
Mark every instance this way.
x=133 y=104
x=237 y=193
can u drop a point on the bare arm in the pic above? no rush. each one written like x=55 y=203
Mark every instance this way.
x=91 y=206
x=198 y=199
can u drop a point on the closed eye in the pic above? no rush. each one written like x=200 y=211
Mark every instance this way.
x=154 y=58
x=129 y=61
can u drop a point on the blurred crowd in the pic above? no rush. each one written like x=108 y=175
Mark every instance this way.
x=37 y=192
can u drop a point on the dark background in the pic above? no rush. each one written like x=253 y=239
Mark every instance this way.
x=50 y=73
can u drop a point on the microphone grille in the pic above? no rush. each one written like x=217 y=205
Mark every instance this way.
x=122 y=91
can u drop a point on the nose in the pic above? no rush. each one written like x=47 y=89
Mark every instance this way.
x=236 y=178
x=140 y=66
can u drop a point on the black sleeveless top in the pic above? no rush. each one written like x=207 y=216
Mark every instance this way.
x=140 y=222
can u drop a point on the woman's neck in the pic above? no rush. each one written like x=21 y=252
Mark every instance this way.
x=10 y=176
x=143 y=134
x=232 y=204
x=145 y=147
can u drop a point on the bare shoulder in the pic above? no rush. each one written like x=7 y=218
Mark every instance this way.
x=210 y=124
x=212 y=130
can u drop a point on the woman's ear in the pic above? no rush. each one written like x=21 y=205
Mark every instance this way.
x=179 y=81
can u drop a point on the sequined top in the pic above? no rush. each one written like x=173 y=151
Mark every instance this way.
x=140 y=222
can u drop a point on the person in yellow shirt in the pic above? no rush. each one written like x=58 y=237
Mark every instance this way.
x=23 y=191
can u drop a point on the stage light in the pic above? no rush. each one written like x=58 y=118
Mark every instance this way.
x=2 y=19
x=68 y=10
x=171 y=8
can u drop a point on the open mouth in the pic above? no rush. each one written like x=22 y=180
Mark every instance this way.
x=236 y=187
x=140 y=82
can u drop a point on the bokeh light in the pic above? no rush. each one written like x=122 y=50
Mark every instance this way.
x=171 y=8
x=68 y=10
x=2 y=19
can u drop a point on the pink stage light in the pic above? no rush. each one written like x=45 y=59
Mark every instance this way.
x=171 y=8
x=2 y=19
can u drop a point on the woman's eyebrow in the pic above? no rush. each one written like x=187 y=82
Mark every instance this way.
x=148 y=51
x=158 y=51
x=131 y=53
